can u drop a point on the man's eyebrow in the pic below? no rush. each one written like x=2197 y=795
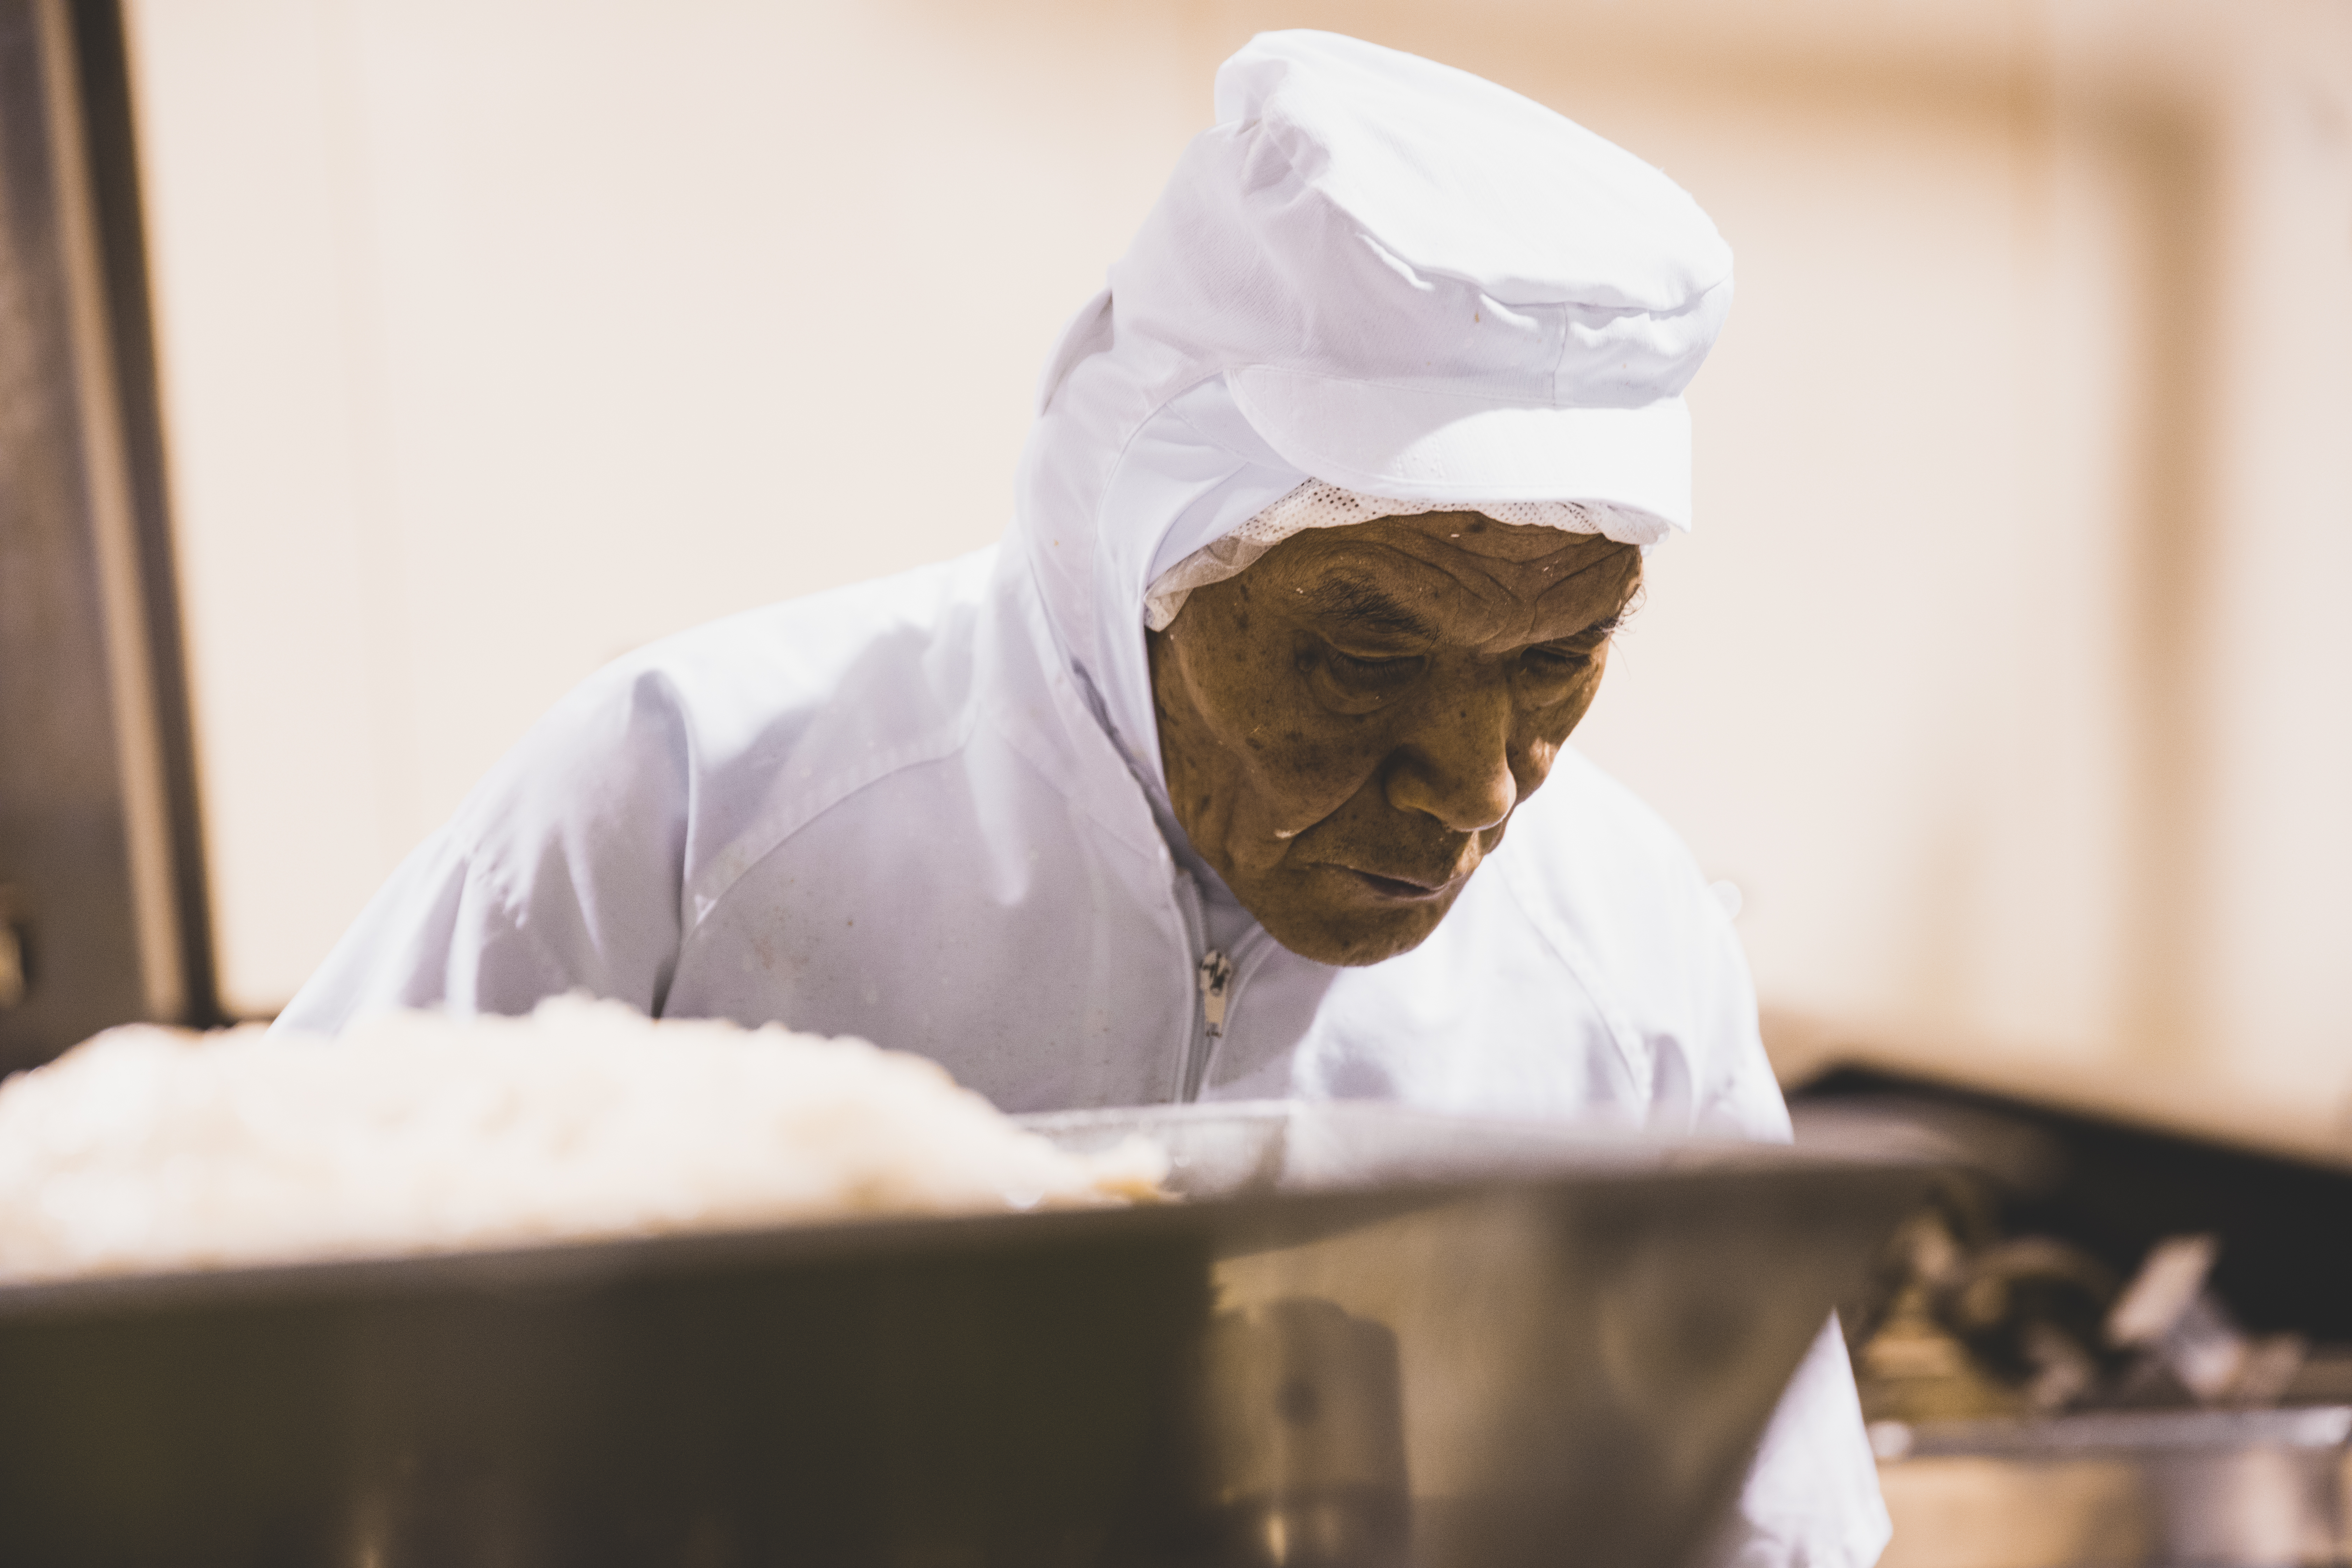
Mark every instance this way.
x=1609 y=626
x=1370 y=609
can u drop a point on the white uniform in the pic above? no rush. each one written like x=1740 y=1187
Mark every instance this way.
x=887 y=811
x=928 y=811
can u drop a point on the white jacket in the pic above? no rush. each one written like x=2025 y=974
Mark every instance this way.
x=889 y=811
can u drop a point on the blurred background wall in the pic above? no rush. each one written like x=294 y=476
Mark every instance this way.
x=2008 y=674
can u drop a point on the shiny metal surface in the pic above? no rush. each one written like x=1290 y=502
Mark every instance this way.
x=1587 y=1337
x=2169 y=1488
x=1300 y=1435
x=1586 y=1351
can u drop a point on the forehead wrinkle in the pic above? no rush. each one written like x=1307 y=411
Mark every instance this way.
x=1463 y=558
x=1468 y=597
x=1564 y=610
x=1342 y=594
x=1579 y=582
x=1530 y=615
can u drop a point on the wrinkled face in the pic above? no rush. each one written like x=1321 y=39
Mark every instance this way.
x=1347 y=724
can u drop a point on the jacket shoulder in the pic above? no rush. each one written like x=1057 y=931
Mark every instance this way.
x=663 y=761
x=576 y=859
x=1591 y=843
x=1615 y=892
x=730 y=711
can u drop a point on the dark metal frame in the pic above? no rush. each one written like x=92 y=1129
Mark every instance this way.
x=101 y=867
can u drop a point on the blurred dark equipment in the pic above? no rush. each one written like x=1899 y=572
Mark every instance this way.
x=102 y=902
x=2136 y=1346
x=1325 y=1365
x=2111 y=1192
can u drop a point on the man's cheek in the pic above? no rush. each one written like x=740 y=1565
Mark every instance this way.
x=1532 y=759
x=1313 y=781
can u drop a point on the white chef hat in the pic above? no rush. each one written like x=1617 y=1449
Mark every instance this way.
x=1384 y=275
x=1421 y=285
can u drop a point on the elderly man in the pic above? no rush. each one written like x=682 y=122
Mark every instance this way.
x=1240 y=768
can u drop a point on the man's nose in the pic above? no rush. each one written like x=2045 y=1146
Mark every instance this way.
x=1455 y=765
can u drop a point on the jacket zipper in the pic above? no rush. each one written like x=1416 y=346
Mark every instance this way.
x=1214 y=979
x=1213 y=986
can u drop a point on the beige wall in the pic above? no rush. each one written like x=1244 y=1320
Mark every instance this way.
x=2004 y=674
x=502 y=338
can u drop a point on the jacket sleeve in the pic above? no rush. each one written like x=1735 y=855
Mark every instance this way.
x=1812 y=1498
x=560 y=872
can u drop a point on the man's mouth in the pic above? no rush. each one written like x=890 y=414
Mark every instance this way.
x=1403 y=889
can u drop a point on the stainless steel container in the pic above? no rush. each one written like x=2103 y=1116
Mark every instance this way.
x=1587 y=1338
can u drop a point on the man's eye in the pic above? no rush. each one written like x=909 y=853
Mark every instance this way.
x=1373 y=669
x=1360 y=682
x=1557 y=663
